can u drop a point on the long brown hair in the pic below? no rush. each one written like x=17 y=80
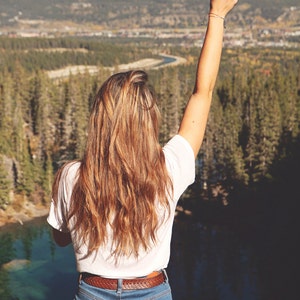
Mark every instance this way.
x=122 y=179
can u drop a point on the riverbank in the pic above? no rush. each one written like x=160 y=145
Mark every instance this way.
x=27 y=212
x=31 y=212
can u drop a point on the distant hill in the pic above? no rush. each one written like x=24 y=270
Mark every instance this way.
x=131 y=13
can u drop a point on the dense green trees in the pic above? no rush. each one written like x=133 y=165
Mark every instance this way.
x=48 y=54
x=254 y=118
x=253 y=110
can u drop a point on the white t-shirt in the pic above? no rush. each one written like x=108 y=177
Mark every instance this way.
x=180 y=164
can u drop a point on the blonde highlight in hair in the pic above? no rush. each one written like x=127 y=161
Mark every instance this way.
x=122 y=178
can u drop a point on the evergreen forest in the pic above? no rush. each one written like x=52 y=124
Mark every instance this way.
x=252 y=128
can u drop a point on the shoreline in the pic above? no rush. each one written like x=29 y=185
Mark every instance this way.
x=21 y=216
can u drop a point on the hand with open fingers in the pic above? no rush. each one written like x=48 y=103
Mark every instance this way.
x=222 y=7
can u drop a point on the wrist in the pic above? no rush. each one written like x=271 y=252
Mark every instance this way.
x=217 y=13
x=217 y=16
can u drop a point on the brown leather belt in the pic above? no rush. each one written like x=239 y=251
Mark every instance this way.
x=152 y=280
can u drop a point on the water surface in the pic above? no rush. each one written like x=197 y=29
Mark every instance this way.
x=207 y=262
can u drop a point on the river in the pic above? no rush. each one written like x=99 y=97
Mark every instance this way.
x=207 y=262
x=146 y=63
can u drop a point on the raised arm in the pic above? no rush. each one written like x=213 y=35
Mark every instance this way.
x=194 y=120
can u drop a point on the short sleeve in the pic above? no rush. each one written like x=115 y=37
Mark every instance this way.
x=58 y=212
x=56 y=218
x=180 y=162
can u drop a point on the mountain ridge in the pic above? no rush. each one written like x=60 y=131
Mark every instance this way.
x=119 y=14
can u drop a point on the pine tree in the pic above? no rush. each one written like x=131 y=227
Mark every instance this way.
x=161 y=86
x=285 y=86
x=21 y=132
x=233 y=154
x=269 y=122
x=173 y=106
x=47 y=178
x=82 y=113
x=5 y=185
x=6 y=113
x=250 y=126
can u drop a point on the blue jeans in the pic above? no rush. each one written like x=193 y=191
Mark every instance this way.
x=88 y=292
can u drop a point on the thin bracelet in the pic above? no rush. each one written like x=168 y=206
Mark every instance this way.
x=217 y=16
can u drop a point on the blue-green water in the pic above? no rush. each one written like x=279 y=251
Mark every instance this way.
x=50 y=272
x=206 y=263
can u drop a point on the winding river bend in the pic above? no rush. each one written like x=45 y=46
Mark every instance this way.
x=146 y=63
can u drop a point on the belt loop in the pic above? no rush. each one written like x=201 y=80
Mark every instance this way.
x=119 y=287
x=166 y=275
